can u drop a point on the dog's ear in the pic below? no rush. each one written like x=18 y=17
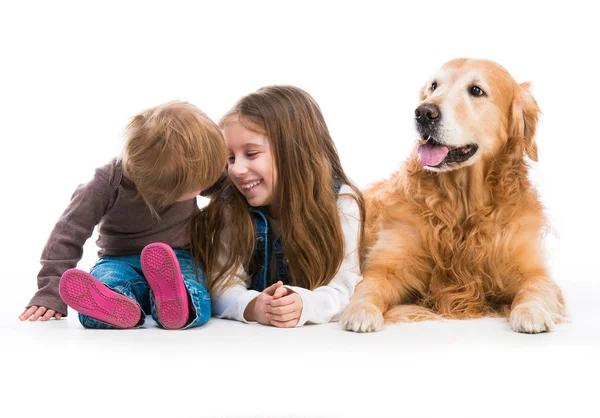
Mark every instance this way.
x=524 y=115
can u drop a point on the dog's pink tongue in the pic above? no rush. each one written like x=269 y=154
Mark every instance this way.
x=432 y=155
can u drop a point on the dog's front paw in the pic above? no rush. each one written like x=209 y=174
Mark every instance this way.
x=362 y=317
x=530 y=318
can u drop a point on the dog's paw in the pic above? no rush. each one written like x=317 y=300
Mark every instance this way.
x=362 y=317
x=530 y=318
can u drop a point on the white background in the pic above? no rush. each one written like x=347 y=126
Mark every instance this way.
x=73 y=73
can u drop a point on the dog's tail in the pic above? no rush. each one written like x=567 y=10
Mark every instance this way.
x=409 y=313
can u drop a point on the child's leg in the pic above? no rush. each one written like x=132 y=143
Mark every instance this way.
x=108 y=297
x=169 y=300
x=195 y=283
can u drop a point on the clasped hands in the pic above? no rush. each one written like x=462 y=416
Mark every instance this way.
x=276 y=305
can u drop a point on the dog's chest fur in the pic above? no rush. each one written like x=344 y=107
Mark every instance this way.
x=468 y=233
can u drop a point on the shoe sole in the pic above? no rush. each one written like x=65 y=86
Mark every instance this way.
x=162 y=272
x=89 y=296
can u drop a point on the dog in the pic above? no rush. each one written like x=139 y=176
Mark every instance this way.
x=457 y=231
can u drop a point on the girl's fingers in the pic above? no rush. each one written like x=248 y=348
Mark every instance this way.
x=284 y=324
x=280 y=292
x=282 y=310
x=57 y=315
x=289 y=316
x=286 y=300
x=271 y=289
x=264 y=299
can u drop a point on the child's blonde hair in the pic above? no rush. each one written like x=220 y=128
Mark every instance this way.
x=170 y=150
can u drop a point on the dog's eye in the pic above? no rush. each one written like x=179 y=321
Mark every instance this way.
x=433 y=86
x=476 y=91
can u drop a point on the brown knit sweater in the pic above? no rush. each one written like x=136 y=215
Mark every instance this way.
x=125 y=226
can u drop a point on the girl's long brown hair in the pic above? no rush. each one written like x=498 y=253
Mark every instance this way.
x=308 y=168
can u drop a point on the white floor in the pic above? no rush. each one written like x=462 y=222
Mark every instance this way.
x=432 y=369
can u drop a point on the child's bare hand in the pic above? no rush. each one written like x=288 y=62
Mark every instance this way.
x=42 y=313
x=285 y=308
x=257 y=309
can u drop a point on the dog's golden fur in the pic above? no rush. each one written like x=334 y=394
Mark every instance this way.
x=464 y=240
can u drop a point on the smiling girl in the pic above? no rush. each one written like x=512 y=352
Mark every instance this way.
x=285 y=239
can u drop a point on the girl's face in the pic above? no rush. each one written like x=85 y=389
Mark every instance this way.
x=250 y=164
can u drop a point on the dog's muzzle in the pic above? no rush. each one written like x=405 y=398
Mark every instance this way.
x=427 y=116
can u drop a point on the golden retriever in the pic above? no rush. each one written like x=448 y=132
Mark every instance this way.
x=457 y=231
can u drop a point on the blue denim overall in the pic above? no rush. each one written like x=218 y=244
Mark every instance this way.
x=262 y=253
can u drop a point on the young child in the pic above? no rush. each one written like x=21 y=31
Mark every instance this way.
x=289 y=220
x=142 y=203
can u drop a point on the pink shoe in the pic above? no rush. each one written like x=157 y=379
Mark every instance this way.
x=162 y=272
x=89 y=296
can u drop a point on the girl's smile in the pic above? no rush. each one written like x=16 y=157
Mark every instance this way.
x=250 y=185
x=250 y=164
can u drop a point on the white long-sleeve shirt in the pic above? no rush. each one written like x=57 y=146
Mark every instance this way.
x=325 y=303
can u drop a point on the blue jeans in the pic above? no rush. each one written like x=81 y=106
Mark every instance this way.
x=124 y=275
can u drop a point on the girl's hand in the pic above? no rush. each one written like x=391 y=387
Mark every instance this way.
x=259 y=306
x=285 y=308
x=39 y=312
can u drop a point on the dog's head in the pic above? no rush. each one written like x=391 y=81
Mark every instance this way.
x=470 y=109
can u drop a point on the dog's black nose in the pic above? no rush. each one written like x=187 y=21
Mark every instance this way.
x=427 y=113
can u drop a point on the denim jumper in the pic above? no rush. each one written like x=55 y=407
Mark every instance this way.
x=262 y=251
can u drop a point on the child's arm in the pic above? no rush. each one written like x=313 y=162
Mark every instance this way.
x=241 y=304
x=232 y=301
x=326 y=303
x=237 y=301
x=64 y=248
